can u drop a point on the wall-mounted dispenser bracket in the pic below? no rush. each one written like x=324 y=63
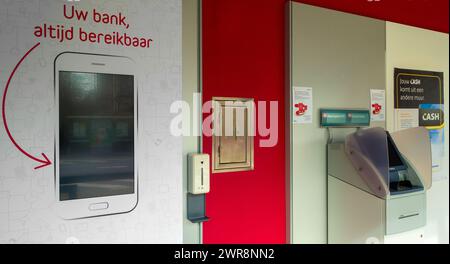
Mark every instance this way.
x=198 y=186
x=196 y=208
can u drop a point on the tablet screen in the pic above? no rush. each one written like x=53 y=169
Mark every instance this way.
x=96 y=135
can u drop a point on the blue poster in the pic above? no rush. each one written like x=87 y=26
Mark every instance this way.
x=419 y=101
x=437 y=137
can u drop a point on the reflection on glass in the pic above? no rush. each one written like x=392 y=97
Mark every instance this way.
x=96 y=141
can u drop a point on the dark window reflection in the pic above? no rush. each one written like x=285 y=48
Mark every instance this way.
x=96 y=135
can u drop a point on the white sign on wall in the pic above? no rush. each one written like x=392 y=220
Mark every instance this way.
x=302 y=105
x=28 y=200
x=377 y=105
x=406 y=118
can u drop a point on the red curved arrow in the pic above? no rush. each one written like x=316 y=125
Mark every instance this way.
x=45 y=161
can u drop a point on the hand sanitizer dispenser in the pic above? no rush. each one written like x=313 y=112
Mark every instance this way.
x=198 y=167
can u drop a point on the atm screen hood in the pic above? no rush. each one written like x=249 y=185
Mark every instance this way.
x=391 y=164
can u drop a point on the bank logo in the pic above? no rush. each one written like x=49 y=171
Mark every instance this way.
x=376 y=109
x=302 y=108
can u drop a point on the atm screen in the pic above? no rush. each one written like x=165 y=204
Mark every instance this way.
x=394 y=157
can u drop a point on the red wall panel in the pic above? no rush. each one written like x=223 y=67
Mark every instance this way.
x=243 y=56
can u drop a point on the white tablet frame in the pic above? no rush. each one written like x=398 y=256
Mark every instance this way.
x=93 y=63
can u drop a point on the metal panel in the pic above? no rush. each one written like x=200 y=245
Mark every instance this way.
x=347 y=203
x=405 y=213
x=340 y=166
x=341 y=56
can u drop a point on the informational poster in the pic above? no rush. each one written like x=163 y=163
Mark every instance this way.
x=76 y=65
x=378 y=105
x=419 y=101
x=302 y=105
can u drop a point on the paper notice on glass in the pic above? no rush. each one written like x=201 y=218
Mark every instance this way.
x=406 y=118
x=378 y=105
x=302 y=105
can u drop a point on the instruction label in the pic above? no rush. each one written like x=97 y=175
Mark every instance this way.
x=302 y=105
x=378 y=105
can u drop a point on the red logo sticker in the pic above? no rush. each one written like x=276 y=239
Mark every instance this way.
x=302 y=108
x=376 y=109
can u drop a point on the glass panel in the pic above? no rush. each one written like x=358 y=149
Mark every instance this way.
x=401 y=179
x=368 y=151
x=418 y=153
x=96 y=135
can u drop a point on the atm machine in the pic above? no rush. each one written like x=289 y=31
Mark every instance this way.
x=377 y=181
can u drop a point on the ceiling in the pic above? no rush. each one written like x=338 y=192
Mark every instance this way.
x=429 y=14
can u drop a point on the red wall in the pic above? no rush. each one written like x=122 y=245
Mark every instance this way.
x=243 y=56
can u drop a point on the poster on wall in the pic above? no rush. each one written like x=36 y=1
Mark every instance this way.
x=302 y=105
x=377 y=105
x=69 y=150
x=419 y=101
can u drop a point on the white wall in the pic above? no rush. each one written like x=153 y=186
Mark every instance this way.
x=413 y=48
x=27 y=196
